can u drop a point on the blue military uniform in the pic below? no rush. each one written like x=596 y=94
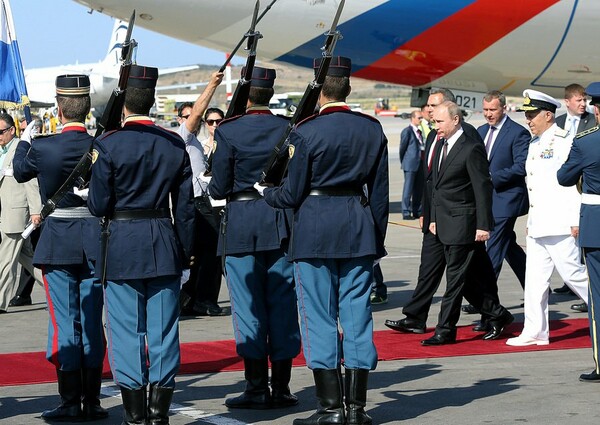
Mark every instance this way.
x=583 y=162
x=337 y=184
x=67 y=251
x=260 y=280
x=138 y=171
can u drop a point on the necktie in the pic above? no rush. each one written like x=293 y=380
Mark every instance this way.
x=444 y=152
x=433 y=152
x=420 y=134
x=488 y=142
x=573 y=129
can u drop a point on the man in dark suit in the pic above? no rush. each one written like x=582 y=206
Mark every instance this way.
x=576 y=120
x=433 y=261
x=461 y=218
x=506 y=145
x=412 y=148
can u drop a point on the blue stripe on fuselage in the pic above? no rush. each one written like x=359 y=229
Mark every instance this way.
x=377 y=32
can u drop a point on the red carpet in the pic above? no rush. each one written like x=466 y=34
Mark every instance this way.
x=217 y=356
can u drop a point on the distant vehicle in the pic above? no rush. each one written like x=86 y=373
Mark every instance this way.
x=355 y=107
x=285 y=103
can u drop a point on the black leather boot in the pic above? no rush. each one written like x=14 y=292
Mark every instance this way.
x=159 y=401
x=92 y=381
x=69 y=388
x=356 y=397
x=135 y=406
x=329 y=388
x=257 y=394
x=281 y=374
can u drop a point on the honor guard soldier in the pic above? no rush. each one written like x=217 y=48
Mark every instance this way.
x=137 y=171
x=337 y=185
x=67 y=253
x=260 y=279
x=583 y=162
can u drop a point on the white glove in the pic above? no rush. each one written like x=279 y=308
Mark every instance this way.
x=83 y=193
x=185 y=276
x=29 y=132
x=260 y=189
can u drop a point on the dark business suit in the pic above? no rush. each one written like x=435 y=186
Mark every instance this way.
x=461 y=203
x=433 y=261
x=586 y=121
x=410 y=160
x=509 y=198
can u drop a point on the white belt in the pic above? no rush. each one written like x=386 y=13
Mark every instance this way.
x=74 y=212
x=590 y=199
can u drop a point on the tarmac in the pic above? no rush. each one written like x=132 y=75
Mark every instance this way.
x=536 y=388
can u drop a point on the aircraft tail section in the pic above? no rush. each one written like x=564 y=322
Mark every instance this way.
x=117 y=37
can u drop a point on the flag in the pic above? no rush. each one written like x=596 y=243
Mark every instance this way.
x=13 y=92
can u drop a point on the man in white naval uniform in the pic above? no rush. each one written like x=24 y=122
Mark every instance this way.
x=553 y=220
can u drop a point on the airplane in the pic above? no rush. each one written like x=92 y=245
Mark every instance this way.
x=103 y=75
x=469 y=46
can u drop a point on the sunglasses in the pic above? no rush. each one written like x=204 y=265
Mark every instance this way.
x=4 y=130
x=213 y=122
x=185 y=117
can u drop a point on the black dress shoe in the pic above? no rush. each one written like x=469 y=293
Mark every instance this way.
x=498 y=325
x=19 y=301
x=564 y=290
x=208 y=308
x=482 y=326
x=438 y=340
x=407 y=217
x=590 y=377
x=469 y=309
x=406 y=325
x=582 y=307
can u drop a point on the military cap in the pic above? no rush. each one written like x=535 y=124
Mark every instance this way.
x=142 y=77
x=339 y=66
x=75 y=85
x=262 y=77
x=535 y=100
x=593 y=91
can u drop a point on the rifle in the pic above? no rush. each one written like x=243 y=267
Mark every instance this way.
x=235 y=49
x=111 y=118
x=237 y=106
x=276 y=168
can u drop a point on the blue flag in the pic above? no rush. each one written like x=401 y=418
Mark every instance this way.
x=13 y=92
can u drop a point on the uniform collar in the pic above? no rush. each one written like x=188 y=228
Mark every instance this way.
x=257 y=110
x=333 y=107
x=137 y=120
x=74 y=126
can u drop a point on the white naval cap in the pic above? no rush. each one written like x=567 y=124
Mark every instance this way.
x=535 y=100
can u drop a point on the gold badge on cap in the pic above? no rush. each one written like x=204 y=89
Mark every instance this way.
x=291 y=150
x=527 y=101
x=95 y=155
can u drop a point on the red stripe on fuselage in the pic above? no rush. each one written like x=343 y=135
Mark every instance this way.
x=453 y=42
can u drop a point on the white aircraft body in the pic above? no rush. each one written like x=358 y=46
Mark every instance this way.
x=470 y=46
x=104 y=75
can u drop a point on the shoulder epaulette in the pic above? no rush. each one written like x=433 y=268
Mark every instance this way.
x=560 y=132
x=43 y=136
x=235 y=117
x=588 y=131
x=309 y=118
x=371 y=117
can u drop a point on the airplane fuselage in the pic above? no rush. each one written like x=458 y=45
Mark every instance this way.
x=471 y=45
